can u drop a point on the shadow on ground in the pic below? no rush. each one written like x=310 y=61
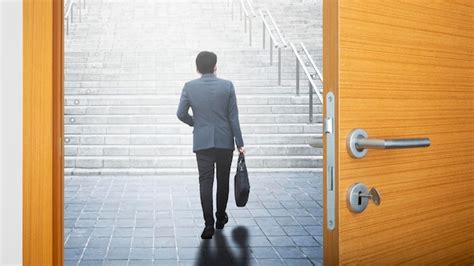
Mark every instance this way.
x=222 y=253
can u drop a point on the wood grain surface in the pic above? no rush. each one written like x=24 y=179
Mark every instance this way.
x=42 y=131
x=406 y=70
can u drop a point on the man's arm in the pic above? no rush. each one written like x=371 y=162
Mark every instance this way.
x=183 y=108
x=233 y=113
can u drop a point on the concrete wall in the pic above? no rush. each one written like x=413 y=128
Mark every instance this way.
x=10 y=132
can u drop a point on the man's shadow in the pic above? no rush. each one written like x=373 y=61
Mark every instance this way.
x=217 y=251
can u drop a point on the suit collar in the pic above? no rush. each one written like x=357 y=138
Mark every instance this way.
x=208 y=75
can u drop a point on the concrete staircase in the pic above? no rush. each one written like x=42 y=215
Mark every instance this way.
x=125 y=65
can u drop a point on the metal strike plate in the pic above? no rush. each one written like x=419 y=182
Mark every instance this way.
x=329 y=131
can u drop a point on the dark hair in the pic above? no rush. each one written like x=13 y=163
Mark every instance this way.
x=205 y=62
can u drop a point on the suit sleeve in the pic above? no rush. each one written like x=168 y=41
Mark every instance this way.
x=183 y=109
x=233 y=114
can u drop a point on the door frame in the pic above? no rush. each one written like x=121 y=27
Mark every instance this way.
x=43 y=129
x=43 y=188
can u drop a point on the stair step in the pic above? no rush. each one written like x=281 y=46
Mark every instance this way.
x=274 y=162
x=177 y=91
x=177 y=150
x=171 y=109
x=156 y=139
x=172 y=119
x=180 y=128
x=157 y=100
x=68 y=172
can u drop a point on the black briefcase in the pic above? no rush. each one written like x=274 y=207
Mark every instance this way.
x=241 y=183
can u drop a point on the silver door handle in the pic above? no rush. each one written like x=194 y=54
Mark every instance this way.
x=358 y=143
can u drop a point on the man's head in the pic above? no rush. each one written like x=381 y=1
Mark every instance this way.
x=206 y=62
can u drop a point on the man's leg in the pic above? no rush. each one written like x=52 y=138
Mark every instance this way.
x=223 y=162
x=205 y=161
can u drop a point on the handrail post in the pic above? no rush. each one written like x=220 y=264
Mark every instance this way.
x=279 y=65
x=67 y=26
x=231 y=8
x=240 y=11
x=310 y=102
x=263 y=34
x=313 y=87
x=271 y=51
x=72 y=12
x=272 y=20
x=250 y=30
x=297 y=77
x=245 y=23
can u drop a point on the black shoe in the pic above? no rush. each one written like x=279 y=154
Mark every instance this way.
x=208 y=232
x=221 y=222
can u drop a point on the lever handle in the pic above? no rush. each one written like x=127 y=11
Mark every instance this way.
x=358 y=143
x=363 y=143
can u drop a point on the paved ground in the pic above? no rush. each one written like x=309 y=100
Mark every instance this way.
x=158 y=221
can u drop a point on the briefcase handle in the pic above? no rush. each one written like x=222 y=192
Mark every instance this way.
x=241 y=158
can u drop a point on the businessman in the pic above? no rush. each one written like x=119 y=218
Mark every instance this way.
x=215 y=119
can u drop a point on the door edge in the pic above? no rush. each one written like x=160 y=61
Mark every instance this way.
x=331 y=78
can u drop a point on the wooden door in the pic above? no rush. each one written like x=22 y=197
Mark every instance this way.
x=403 y=69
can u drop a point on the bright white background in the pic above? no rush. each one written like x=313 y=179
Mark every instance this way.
x=10 y=131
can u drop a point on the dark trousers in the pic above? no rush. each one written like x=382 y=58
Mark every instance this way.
x=207 y=160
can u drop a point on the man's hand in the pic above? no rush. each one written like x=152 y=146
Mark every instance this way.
x=242 y=150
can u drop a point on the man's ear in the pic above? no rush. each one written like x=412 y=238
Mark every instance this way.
x=215 y=68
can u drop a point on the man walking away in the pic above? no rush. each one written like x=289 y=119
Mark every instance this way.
x=216 y=126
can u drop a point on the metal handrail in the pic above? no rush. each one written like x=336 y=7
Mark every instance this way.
x=69 y=14
x=252 y=9
x=247 y=16
x=310 y=59
x=242 y=6
x=68 y=10
x=267 y=27
x=283 y=41
x=311 y=77
x=280 y=43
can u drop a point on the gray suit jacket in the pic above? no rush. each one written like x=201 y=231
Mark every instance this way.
x=215 y=115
